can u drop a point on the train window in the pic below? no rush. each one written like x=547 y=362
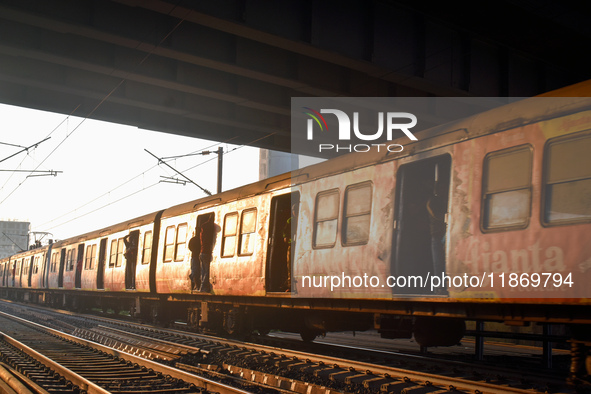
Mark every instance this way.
x=567 y=177
x=357 y=214
x=113 y=253
x=247 y=232
x=169 y=243
x=54 y=258
x=116 y=256
x=18 y=267
x=181 y=242
x=90 y=257
x=326 y=219
x=36 y=265
x=26 y=268
x=120 y=251
x=229 y=235
x=70 y=259
x=147 y=249
x=507 y=189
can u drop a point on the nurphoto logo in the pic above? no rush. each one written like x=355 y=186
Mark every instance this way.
x=390 y=122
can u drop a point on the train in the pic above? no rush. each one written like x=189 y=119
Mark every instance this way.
x=515 y=186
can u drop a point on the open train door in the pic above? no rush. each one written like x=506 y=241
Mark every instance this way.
x=60 y=277
x=45 y=267
x=30 y=271
x=195 y=262
x=131 y=250
x=79 y=263
x=277 y=268
x=100 y=270
x=422 y=199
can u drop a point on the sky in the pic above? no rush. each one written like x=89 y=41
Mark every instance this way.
x=105 y=175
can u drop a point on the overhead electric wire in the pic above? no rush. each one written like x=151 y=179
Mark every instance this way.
x=199 y=152
x=22 y=161
x=39 y=165
x=106 y=205
x=25 y=149
x=99 y=197
x=114 y=189
x=233 y=150
x=137 y=191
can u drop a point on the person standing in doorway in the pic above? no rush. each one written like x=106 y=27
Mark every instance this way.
x=206 y=235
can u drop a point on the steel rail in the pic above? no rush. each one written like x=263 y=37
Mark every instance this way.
x=208 y=384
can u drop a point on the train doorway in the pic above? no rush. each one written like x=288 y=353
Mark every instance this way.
x=422 y=197
x=79 y=262
x=100 y=269
x=195 y=261
x=60 y=277
x=281 y=242
x=131 y=248
x=30 y=271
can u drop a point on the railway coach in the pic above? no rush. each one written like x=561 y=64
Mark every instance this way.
x=513 y=190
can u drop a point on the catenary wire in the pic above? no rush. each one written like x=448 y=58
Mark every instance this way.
x=137 y=191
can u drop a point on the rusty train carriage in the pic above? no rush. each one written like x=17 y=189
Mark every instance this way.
x=507 y=201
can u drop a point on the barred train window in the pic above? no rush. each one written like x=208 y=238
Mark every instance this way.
x=567 y=175
x=247 y=232
x=147 y=249
x=229 y=237
x=507 y=189
x=357 y=214
x=326 y=219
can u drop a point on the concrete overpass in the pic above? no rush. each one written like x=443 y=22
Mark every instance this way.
x=226 y=70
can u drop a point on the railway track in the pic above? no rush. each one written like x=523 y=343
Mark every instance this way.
x=283 y=370
x=60 y=363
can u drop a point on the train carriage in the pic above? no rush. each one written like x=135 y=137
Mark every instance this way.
x=516 y=202
x=239 y=266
